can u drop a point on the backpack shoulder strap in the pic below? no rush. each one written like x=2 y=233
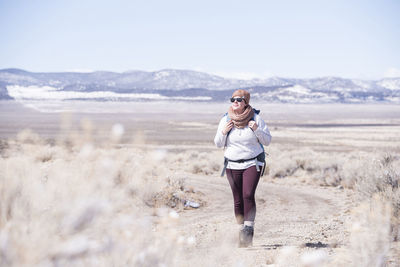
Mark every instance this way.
x=227 y=119
x=256 y=112
x=227 y=116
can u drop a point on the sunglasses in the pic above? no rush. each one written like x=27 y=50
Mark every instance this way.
x=238 y=99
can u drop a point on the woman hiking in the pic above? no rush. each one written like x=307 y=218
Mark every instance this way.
x=243 y=133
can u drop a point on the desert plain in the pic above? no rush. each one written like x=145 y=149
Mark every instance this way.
x=112 y=184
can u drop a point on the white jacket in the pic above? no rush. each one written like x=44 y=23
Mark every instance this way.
x=243 y=143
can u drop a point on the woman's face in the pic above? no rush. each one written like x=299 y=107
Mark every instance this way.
x=238 y=106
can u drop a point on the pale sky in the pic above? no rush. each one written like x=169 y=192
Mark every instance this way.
x=242 y=39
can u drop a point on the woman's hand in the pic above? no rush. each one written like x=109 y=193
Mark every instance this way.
x=228 y=127
x=253 y=125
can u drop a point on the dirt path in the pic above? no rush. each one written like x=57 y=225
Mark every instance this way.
x=304 y=216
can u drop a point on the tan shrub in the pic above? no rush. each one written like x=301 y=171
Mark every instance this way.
x=370 y=235
x=85 y=205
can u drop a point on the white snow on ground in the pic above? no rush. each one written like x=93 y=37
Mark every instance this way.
x=393 y=99
x=161 y=74
x=363 y=84
x=297 y=89
x=392 y=84
x=298 y=94
x=52 y=93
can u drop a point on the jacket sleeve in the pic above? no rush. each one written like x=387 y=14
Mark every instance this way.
x=220 y=139
x=262 y=132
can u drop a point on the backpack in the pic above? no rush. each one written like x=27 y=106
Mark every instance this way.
x=260 y=157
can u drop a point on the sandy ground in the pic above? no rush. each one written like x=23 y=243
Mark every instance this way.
x=289 y=212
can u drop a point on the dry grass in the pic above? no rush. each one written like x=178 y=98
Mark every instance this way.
x=77 y=204
x=367 y=173
x=375 y=177
x=374 y=228
x=369 y=243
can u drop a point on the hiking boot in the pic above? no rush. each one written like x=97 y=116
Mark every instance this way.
x=246 y=237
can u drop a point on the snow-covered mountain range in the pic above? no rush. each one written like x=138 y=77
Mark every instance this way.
x=189 y=85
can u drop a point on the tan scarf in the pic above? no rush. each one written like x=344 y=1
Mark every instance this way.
x=241 y=120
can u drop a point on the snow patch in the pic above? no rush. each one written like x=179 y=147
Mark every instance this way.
x=297 y=89
x=392 y=84
x=52 y=93
x=161 y=74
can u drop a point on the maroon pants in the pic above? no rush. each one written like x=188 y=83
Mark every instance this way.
x=243 y=184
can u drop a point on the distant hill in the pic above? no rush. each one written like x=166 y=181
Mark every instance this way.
x=189 y=85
